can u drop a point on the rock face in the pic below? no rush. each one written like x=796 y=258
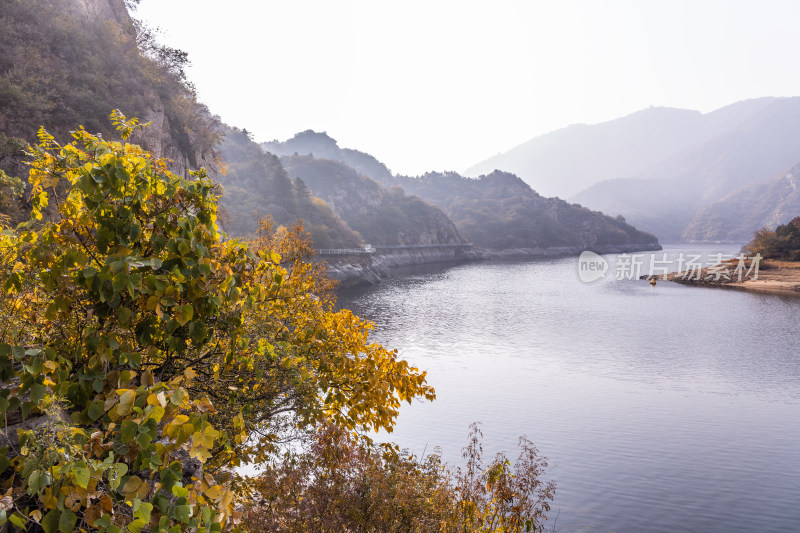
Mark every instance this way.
x=183 y=148
x=111 y=10
x=67 y=63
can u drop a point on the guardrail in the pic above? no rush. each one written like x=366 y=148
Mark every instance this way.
x=344 y=251
x=371 y=248
x=412 y=246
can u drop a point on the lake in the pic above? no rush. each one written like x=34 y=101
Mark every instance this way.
x=666 y=408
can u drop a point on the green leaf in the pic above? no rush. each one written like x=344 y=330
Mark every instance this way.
x=18 y=352
x=137 y=525
x=182 y=513
x=115 y=475
x=19 y=521
x=124 y=315
x=103 y=522
x=183 y=248
x=38 y=392
x=67 y=520
x=208 y=514
x=179 y=491
x=120 y=281
x=81 y=476
x=129 y=431
x=50 y=521
x=185 y=314
x=96 y=410
x=143 y=511
x=35 y=481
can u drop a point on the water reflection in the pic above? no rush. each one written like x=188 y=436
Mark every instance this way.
x=663 y=408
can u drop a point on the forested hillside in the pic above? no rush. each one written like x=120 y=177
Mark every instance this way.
x=498 y=211
x=321 y=145
x=255 y=184
x=501 y=211
x=381 y=216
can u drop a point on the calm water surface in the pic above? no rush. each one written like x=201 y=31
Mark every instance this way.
x=664 y=408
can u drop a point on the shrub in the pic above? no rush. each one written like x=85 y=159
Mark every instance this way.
x=341 y=483
x=148 y=357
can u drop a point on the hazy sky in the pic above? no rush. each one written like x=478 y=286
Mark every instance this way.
x=441 y=85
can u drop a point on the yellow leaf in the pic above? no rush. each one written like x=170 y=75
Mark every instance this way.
x=126 y=399
x=49 y=501
x=131 y=486
x=215 y=492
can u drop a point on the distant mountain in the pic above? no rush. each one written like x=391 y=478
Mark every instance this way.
x=735 y=216
x=666 y=198
x=567 y=161
x=661 y=167
x=500 y=211
x=350 y=182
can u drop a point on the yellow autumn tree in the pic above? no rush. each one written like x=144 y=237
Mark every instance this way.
x=143 y=356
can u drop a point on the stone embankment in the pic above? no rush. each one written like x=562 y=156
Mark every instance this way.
x=353 y=267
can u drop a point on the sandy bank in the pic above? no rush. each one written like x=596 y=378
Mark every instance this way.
x=774 y=277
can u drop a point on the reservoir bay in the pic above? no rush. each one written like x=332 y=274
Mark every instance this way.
x=666 y=408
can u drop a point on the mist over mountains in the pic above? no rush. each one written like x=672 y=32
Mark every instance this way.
x=679 y=174
x=67 y=64
x=498 y=211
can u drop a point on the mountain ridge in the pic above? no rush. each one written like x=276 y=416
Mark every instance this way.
x=663 y=188
x=496 y=211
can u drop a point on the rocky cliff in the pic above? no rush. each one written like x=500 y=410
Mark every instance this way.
x=71 y=62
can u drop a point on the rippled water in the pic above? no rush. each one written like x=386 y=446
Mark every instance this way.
x=666 y=408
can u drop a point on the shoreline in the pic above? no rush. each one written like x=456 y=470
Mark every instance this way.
x=774 y=277
x=370 y=269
